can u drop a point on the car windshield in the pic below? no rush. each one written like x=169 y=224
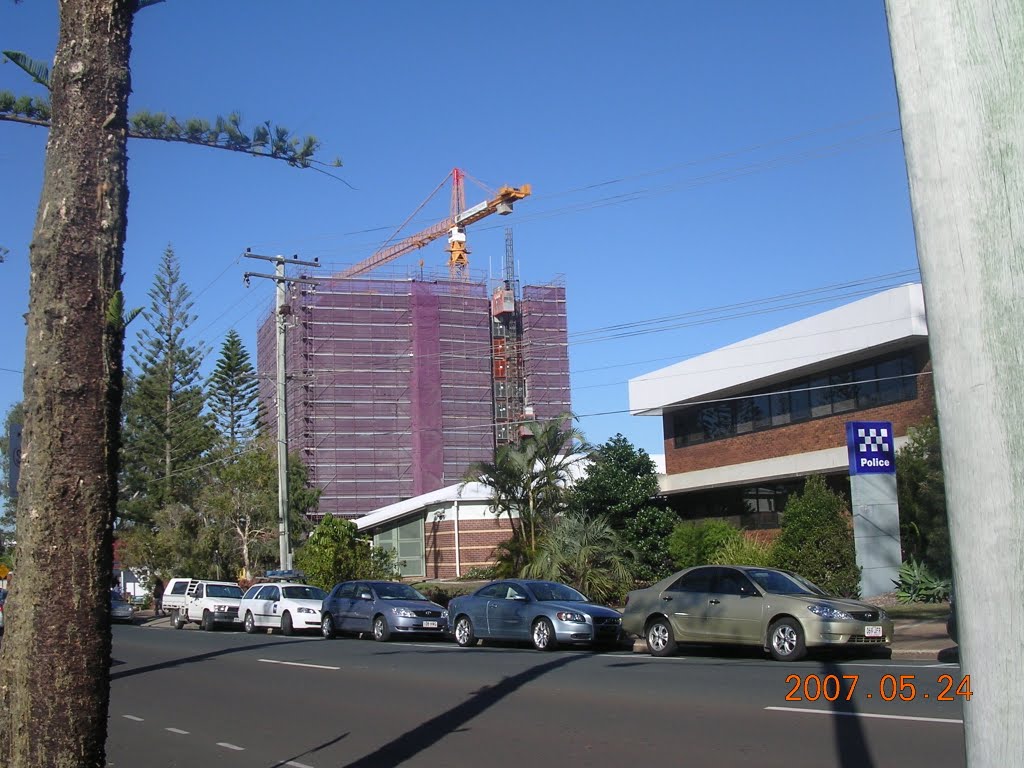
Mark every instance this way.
x=223 y=590
x=396 y=591
x=548 y=590
x=304 y=593
x=782 y=583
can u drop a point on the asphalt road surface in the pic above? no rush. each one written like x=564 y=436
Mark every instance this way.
x=226 y=699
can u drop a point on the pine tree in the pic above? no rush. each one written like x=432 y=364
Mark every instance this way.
x=234 y=393
x=166 y=434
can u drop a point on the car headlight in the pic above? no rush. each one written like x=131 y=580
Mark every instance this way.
x=828 y=612
x=572 y=616
x=306 y=610
x=405 y=613
x=222 y=608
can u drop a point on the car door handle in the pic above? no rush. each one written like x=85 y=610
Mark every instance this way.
x=666 y=597
x=712 y=601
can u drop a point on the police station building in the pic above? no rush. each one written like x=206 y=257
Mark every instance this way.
x=745 y=424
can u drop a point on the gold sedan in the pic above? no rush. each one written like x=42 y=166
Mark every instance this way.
x=779 y=611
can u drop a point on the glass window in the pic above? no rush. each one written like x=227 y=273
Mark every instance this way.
x=303 y=593
x=179 y=588
x=698 y=580
x=693 y=429
x=866 y=388
x=821 y=396
x=549 y=590
x=493 y=590
x=269 y=593
x=346 y=590
x=909 y=380
x=744 y=416
x=223 y=590
x=732 y=582
x=717 y=421
x=250 y=593
x=780 y=409
x=799 y=402
x=890 y=384
x=760 y=411
x=843 y=392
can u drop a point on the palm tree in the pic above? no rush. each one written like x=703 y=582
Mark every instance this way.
x=586 y=553
x=528 y=480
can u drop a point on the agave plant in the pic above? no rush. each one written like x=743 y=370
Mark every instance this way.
x=917 y=584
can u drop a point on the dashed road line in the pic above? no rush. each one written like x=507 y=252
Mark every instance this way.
x=298 y=664
x=133 y=717
x=295 y=764
x=177 y=730
x=230 y=746
x=866 y=714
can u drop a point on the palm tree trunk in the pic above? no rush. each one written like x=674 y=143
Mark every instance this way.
x=54 y=666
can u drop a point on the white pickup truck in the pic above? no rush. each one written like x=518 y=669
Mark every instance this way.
x=198 y=601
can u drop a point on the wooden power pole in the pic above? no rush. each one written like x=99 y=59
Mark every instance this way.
x=959 y=68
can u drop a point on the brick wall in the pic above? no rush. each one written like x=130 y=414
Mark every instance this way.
x=807 y=436
x=477 y=541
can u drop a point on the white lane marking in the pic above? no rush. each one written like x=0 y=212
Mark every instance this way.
x=295 y=764
x=133 y=717
x=230 y=746
x=297 y=664
x=866 y=714
x=908 y=666
x=177 y=730
x=946 y=665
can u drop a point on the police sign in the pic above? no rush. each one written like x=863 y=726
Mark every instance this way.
x=871 y=447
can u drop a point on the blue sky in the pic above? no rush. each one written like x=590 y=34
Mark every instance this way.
x=684 y=156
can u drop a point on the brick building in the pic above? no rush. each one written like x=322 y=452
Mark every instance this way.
x=745 y=424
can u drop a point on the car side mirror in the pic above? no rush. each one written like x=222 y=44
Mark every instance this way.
x=520 y=598
x=365 y=596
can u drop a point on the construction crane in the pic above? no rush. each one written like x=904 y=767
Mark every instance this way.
x=454 y=226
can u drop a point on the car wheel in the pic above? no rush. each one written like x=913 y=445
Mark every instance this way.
x=250 y=623
x=178 y=620
x=327 y=627
x=543 y=635
x=381 y=630
x=786 y=640
x=464 y=634
x=207 y=621
x=660 y=639
x=286 y=624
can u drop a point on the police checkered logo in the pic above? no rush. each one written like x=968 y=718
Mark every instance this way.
x=873 y=440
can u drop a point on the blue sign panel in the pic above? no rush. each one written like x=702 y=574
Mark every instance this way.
x=872 y=447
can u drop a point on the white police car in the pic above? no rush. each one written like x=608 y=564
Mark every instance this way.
x=282 y=605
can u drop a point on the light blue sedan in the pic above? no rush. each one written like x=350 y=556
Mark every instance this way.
x=543 y=612
x=382 y=608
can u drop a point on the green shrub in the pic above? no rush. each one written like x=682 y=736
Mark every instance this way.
x=648 y=534
x=744 y=551
x=917 y=584
x=816 y=540
x=698 y=543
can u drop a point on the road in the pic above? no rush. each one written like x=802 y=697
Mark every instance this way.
x=226 y=699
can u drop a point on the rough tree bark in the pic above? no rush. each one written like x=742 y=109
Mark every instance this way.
x=960 y=77
x=54 y=666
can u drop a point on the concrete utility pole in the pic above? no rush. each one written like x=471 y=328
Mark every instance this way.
x=282 y=311
x=959 y=68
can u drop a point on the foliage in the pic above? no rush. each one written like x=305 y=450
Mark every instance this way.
x=816 y=539
x=528 y=480
x=698 y=543
x=511 y=556
x=487 y=573
x=744 y=551
x=620 y=481
x=166 y=434
x=924 y=526
x=586 y=553
x=233 y=393
x=15 y=416
x=918 y=584
x=335 y=551
x=442 y=595
x=647 y=533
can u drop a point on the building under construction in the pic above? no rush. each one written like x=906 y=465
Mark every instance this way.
x=397 y=384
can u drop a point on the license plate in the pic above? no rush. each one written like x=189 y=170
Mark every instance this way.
x=872 y=631
x=430 y=625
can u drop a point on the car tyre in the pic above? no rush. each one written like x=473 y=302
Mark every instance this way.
x=208 y=625
x=786 y=640
x=327 y=627
x=381 y=630
x=661 y=640
x=464 y=634
x=178 y=620
x=250 y=623
x=543 y=635
x=287 y=628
